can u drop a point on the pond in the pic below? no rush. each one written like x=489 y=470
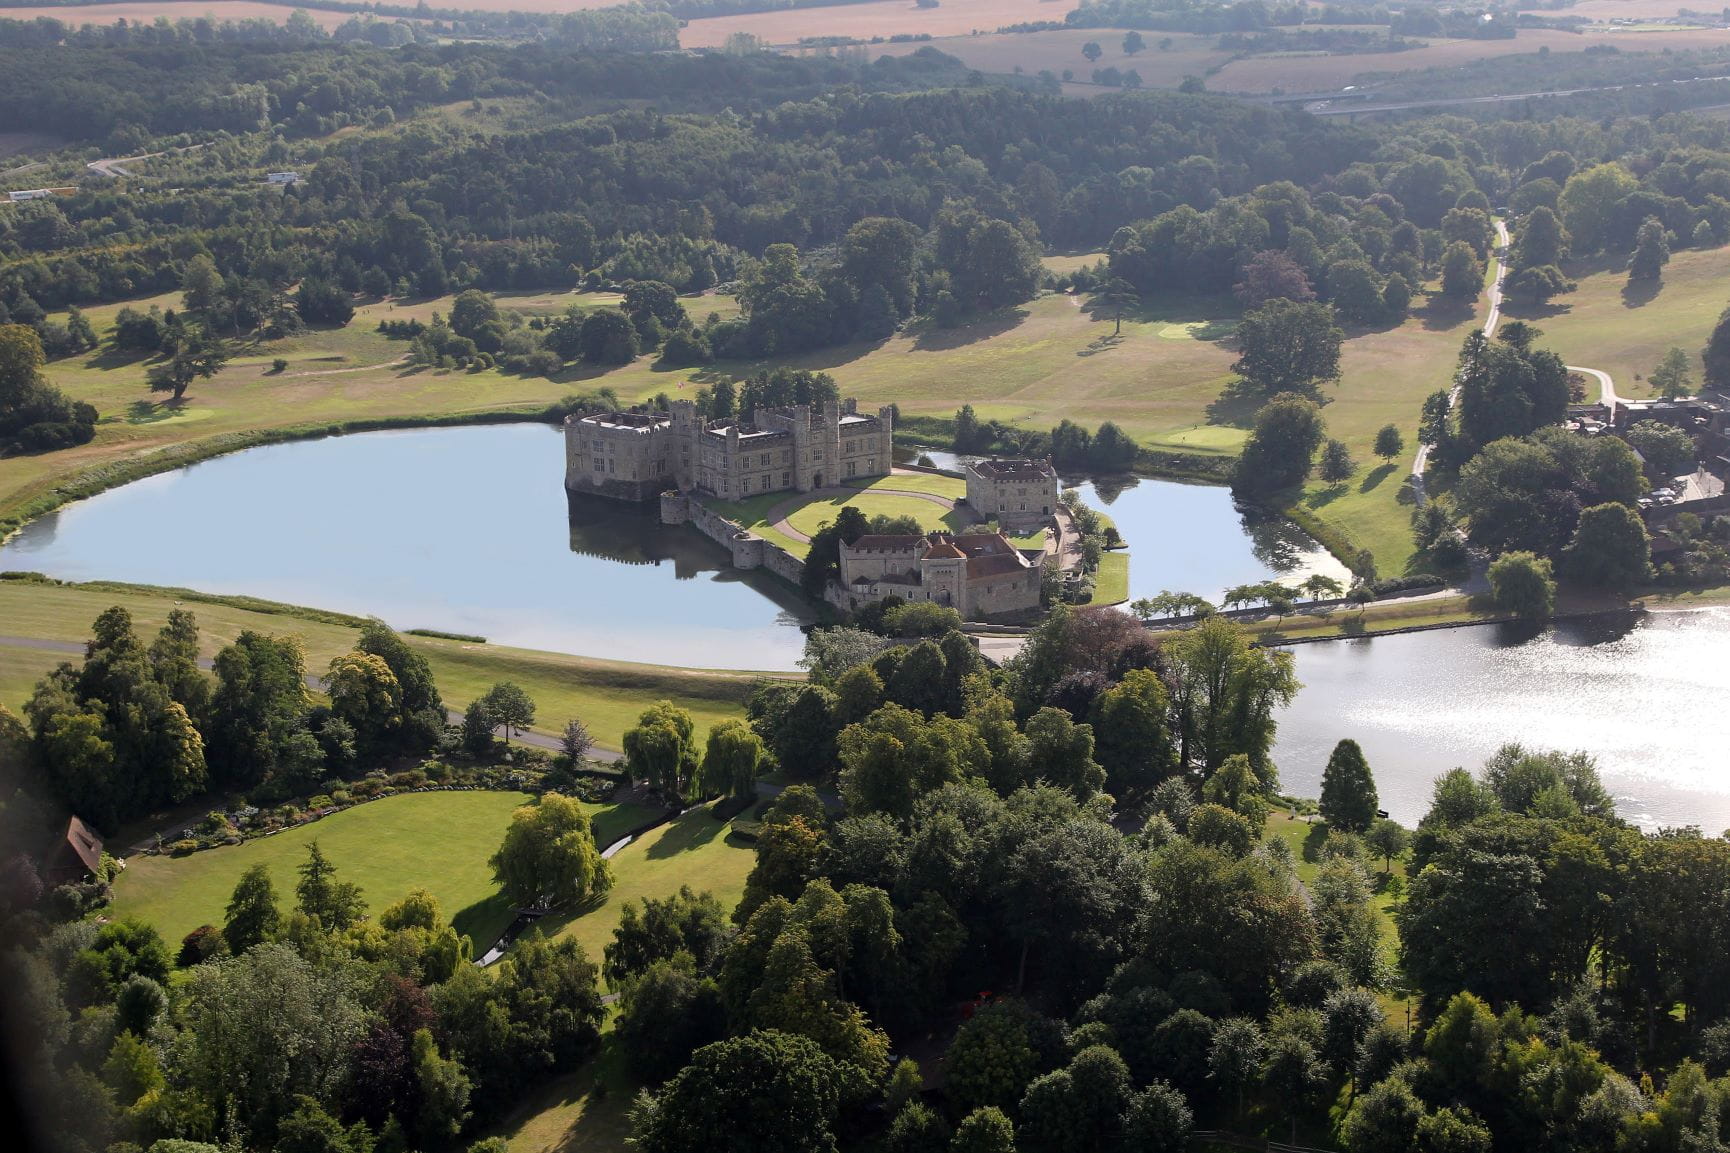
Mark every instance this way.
x=1644 y=694
x=466 y=530
x=1192 y=538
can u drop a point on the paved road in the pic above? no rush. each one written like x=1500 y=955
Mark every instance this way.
x=1327 y=107
x=1421 y=460
x=537 y=740
x=1607 y=388
x=111 y=166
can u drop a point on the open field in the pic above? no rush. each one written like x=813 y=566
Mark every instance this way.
x=436 y=841
x=1033 y=52
x=584 y=1111
x=1602 y=325
x=880 y=18
x=607 y=695
x=1386 y=376
x=147 y=11
x=1297 y=72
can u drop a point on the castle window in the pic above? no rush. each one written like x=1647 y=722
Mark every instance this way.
x=612 y=466
x=786 y=480
x=745 y=484
x=597 y=445
x=600 y=466
x=852 y=467
x=786 y=456
x=766 y=482
x=764 y=459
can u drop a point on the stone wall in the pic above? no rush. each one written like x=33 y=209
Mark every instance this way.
x=748 y=550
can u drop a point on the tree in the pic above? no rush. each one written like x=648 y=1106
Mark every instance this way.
x=1651 y=251
x=198 y=354
x=575 y=742
x=1158 y=1120
x=1287 y=432
x=1120 y=296
x=1389 y=442
x=1589 y=202
x=1610 y=549
x=365 y=693
x=1288 y=346
x=1133 y=43
x=253 y=917
x=336 y=904
x=1523 y=584
x=1388 y=839
x=1716 y=355
x=1462 y=274
x=321 y=301
x=1384 y=1120
x=443 y=1090
x=661 y=750
x=1337 y=463
x=765 y=1092
x=609 y=337
x=1272 y=274
x=1234 y=1061
x=1132 y=737
x=666 y=1012
x=1541 y=241
x=733 y=758
x=1668 y=451
x=661 y=928
x=1674 y=376
x=1291 y=1073
x=548 y=858
x=985 y=1130
x=1092 y=51
x=508 y=705
x=1348 y=799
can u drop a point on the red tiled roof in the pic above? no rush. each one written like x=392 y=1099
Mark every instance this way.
x=944 y=549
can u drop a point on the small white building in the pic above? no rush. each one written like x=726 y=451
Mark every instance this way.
x=30 y=194
x=283 y=178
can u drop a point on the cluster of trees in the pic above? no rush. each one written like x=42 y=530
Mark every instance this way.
x=34 y=415
x=303 y=1026
x=137 y=726
x=1069 y=445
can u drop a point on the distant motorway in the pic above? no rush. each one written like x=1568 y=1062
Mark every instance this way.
x=1346 y=102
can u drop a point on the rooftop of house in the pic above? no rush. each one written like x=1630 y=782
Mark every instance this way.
x=747 y=431
x=1017 y=469
x=975 y=546
x=84 y=843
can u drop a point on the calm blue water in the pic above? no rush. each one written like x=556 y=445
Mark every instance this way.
x=1193 y=537
x=461 y=529
x=1644 y=695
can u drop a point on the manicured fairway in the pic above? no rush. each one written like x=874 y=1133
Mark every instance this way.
x=436 y=841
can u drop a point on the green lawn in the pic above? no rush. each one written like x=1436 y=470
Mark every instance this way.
x=1601 y=325
x=607 y=695
x=1111 y=582
x=824 y=509
x=947 y=486
x=436 y=841
x=695 y=850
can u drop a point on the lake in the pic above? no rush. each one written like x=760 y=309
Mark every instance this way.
x=1644 y=694
x=470 y=530
x=1192 y=538
x=466 y=530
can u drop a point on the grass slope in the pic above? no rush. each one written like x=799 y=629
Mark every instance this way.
x=436 y=841
x=1602 y=325
x=607 y=695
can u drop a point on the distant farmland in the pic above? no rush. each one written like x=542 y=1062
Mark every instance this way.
x=863 y=21
x=146 y=12
x=1034 y=52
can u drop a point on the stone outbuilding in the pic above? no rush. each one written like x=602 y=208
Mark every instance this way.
x=1020 y=495
x=980 y=575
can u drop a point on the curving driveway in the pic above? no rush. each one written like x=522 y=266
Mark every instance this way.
x=1421 y=460
x=1607 y=388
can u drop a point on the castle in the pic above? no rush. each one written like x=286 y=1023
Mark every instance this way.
x=636 y=456
x=639 y=456
x=1020 y=495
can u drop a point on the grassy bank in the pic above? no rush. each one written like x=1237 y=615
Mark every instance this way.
x=607 y=695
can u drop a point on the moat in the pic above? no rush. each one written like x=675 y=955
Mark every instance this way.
x=469 y=530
